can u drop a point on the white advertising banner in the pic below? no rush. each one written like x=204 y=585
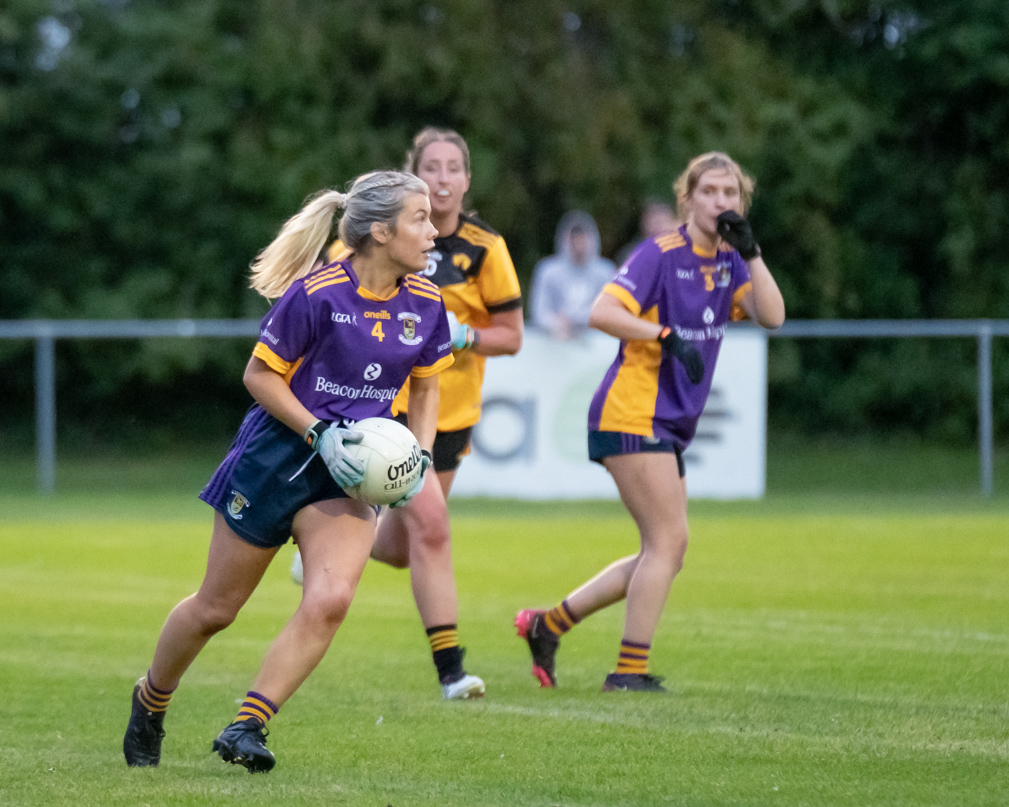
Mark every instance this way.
x=531 y=441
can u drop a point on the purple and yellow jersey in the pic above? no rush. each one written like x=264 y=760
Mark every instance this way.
x=345 y=352
x=477 y=278
x=669 y=281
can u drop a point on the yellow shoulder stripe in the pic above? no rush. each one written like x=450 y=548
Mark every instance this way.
x=434 y=369
x=313 y=279
x=422 y=283
x=321 y=274
x=672 y=241
x=423 y=293
x=273 y=361
x=326 y=272
x=624 y=296
x=323 y=285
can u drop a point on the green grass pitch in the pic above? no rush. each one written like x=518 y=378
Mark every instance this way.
x=846 y=651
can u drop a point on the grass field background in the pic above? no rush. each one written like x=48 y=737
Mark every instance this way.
x=845 y=641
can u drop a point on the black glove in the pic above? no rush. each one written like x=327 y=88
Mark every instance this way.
x=736 y=230
x=685 y=352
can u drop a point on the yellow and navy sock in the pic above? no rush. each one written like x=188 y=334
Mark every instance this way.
x=152 y=698
x=633 y=658
x=447 y=654
x=257 y=707
x=561 y=619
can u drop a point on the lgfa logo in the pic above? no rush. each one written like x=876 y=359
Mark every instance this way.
x=708 y=316
x=372 y=371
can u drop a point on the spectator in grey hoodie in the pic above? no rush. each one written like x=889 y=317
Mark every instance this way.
x=566 y=283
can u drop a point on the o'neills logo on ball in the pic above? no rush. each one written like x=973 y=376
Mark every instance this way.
x=399 y=474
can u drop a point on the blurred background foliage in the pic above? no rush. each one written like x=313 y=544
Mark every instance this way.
x=150 y=149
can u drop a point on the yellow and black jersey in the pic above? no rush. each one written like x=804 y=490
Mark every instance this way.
x=477 y=278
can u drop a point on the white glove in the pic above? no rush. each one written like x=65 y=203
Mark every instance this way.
x=462 y=335
x=425 y=462
x=328 y=442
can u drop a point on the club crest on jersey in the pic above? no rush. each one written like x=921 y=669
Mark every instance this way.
x=409 y=335
x=723 y=274
x=237 y=505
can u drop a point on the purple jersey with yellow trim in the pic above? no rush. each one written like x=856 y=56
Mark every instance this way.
x=669 y=281
x=346 y=353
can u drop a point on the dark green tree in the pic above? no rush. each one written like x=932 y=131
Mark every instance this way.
x=151 y=149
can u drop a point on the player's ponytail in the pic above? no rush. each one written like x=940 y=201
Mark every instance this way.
x=375 y=197
x=293 y=252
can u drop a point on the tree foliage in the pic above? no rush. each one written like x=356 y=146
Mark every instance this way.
x=150 y=149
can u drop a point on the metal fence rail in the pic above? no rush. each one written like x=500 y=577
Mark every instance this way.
x=45 y=332
x=981 y=329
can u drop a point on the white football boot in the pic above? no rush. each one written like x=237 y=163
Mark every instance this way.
x=466 y=688
x=297 y=570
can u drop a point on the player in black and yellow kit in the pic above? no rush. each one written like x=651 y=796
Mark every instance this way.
x=471 y=265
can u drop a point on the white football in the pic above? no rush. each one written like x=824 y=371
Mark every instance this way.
x=391 y=457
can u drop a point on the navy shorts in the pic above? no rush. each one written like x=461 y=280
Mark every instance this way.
x=612 y=444
x=269 y=474
x=449 y=447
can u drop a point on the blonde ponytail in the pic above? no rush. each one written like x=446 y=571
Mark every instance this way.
x=292 y=253
x=375 y=197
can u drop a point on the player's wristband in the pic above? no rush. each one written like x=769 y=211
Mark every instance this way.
x=474 y=338
x=425 y=453
x=314 y=432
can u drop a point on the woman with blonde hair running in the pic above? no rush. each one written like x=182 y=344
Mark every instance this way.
x=288 y=469
x=471 y=266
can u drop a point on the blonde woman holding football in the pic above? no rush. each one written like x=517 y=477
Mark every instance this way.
x=288 y=469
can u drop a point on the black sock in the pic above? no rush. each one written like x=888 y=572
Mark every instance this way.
x=446 y=652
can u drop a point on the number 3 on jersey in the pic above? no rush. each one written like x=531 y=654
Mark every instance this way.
x=377 y=331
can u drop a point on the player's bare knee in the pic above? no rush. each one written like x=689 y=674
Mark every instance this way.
x=432 y=537
x=668 y=550
x=214 y=617
x=331 y=606
x=680 y=543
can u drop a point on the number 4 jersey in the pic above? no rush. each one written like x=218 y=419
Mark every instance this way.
x=346 y=353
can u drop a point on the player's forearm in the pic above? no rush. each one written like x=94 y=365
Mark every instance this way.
x=503 y=337
x=767 y=303
x=610 y=316
x=422 y=415
x=272 y=393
